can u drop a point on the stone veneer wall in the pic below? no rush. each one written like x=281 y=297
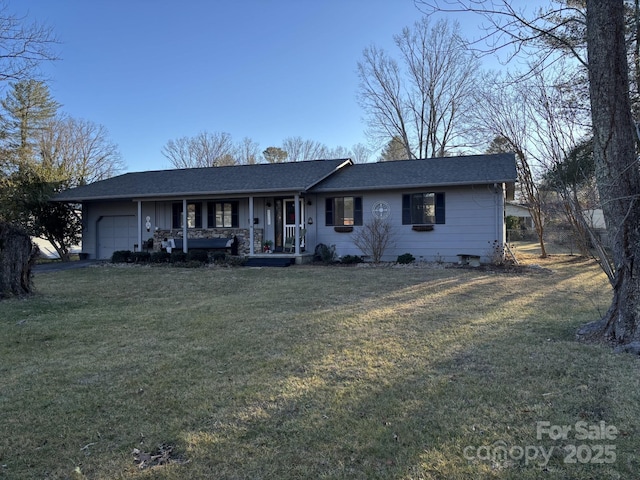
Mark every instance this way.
x=241 y=233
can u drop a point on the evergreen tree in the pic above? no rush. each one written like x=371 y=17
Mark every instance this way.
x=28 y=107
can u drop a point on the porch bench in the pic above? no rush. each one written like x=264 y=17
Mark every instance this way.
x=468 y=259
x=205 y=243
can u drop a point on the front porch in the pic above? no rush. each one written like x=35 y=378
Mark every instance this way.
x=281 y=222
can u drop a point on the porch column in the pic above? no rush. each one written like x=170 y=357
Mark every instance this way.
x=139 y=225
x=185 y=227
x=296 y=203
x=251 y=232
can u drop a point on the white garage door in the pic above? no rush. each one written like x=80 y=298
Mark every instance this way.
x=116 y=233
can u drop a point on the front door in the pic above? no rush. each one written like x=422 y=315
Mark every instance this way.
x=289 y=224
x=285 y=220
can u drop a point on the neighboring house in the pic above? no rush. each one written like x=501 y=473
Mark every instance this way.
x=438 y=207
x=521 y=212
x=48 y=251
x=595 y=220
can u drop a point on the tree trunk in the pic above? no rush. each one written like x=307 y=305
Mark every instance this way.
x=17 y=256
x=617 y=172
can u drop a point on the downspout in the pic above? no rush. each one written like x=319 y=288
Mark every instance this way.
x=499 y=200
x=139 y=225
x=185 y=227
x=251 y=227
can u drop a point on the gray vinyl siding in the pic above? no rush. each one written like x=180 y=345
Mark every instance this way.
x=473 y=220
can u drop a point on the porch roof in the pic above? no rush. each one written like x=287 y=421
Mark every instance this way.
x=233 y=180
x=430 y=172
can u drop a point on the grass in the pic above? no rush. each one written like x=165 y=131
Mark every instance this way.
x=311 y=372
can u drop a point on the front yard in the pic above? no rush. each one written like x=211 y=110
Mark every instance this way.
x=315 y=372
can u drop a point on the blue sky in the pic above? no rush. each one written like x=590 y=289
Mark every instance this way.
x=155 y=70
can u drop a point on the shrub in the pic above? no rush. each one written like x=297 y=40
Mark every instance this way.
x=235 y=261
x=140 y=257
x=178 y=256
x=373 y=238
x=219 y=257
x=350 y=259
x=160 y=257
x=406 y=258
x=198 y=256
x=121 y=256
x=325 y=254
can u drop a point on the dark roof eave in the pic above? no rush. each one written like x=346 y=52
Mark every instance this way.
x=271 y=191
x=417 y=185
x=177 y=195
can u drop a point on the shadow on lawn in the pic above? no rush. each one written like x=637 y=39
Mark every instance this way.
x=358 y=378
x=416 y=397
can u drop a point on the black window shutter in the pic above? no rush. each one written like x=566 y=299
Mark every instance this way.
x=210 y=215
x=357 y=210
x=177 y=213
x=440 y=208
x=198 y=212
x=406 y=209
x=235 y=222
x=328 y=213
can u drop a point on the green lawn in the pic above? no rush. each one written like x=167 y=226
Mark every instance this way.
x=314 y=372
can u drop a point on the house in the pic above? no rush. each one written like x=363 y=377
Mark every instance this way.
x=521 y=212
x=438 y=208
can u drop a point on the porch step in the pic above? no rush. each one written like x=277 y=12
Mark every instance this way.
x=269 y=262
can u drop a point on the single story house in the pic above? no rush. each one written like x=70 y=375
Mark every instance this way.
x=438 y=208
x=521 y=212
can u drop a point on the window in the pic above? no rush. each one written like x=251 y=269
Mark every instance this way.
x=222 y=215
x=422 y=208
x=194 y=215
x=343 y=211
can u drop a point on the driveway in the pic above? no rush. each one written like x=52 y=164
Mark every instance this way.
x=59 y=266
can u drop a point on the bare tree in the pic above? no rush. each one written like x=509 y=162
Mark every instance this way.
x=505 y=119
x=617 y=171
x=23 y=46
x=247 y=152
x=204 y=150
x=360 y=153
x=423 y=104
x=520 y=29
x=80 y=151
x=298 y=149
x=614 y=145
x=373 y=238
x=338 y=152
x=71 y=152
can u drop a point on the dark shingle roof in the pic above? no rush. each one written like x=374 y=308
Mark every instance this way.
x=430 y=172
x=243 y=179
x=314 y=176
